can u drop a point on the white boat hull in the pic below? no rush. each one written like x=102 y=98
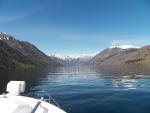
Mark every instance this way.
x=21 y=104
x=14 y=103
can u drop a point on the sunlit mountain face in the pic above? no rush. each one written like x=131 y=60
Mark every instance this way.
x=113 y=55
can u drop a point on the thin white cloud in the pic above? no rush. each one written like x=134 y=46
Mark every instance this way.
x=64 y=33
x=4 y=19
x=85 y=37
x=136 y=42
x=17 y=15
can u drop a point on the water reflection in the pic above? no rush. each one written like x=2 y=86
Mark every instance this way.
x=71 y=75
x=125 y=77
x=122 y=77
x=123 y=70
x=119 y=88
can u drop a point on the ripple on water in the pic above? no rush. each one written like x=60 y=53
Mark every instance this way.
x=82 y=91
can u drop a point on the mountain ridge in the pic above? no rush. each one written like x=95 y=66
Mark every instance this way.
x=70 y=60
x=22 y=54
x=110 y=53
x=15 y=53
x=128 y=56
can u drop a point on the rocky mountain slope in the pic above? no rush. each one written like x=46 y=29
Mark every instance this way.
x=69 y=60
x=15 y=53
x=114 y=55
x=141 y=56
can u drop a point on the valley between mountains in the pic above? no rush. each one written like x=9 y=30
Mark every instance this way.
x=22 y=54
x=114 y=55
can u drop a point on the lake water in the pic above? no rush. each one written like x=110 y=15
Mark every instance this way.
x=84 y=89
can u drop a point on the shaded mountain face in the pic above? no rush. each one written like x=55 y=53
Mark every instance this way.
x=16 y=53
x=71 y=60
x=112 y=55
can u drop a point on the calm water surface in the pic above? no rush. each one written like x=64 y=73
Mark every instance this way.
x=81 y=89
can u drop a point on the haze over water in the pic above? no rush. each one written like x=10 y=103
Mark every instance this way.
x=84 y=89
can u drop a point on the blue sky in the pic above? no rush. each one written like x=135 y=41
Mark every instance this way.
x=77 y=26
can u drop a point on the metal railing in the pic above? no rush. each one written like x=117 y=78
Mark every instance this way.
x=42 y=99
x=49 y=98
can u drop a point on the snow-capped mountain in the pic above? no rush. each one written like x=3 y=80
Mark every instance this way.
x=70 y=60
x=70 y=57
x=111 y=51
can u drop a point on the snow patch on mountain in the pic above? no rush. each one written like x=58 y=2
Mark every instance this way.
x=71 y=60
x=73 y=57
x=2 y=33
x=5 y=36
x=125 y=47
